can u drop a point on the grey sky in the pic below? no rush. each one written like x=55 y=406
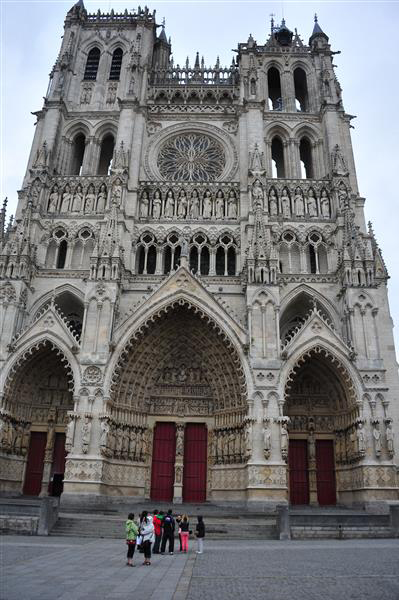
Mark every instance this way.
x=365 y=32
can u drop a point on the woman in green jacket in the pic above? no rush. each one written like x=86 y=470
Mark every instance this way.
x=131 y=535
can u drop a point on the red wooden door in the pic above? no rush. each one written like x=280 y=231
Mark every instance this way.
x=298 y=468
x=195 y=462
x=163 y=462
x=58 y=466
x=34 y=467
x=325 y=472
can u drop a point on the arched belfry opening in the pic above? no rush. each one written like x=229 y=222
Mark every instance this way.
x=181 y=383
x=37 y=396
x=324 y=425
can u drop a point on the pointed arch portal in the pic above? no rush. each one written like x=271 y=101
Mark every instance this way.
x=182 y=374
x=323 y=426
x=37 y=396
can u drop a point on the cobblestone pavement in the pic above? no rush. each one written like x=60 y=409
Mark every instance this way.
x=87 y=569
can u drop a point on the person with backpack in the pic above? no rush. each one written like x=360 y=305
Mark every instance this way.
x=147 y=535
x=200 y=534
x=168 y=532
x=131 y=535
x=158 y=523
x=184 y=532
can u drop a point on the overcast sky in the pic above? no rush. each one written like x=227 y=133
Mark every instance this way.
x=366 y=33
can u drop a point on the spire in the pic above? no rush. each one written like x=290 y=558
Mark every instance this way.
x=317 y=31
x=197 y=61
x=283 y=35
x=162 y=35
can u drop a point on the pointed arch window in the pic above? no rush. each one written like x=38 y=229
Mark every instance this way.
x=301 y=90
x=62 y=252
x=274 y=86
x=278 y=165
x=78 y=152
x=106 y=154
x=93 y=60
x=305 y=155
x=116 y=65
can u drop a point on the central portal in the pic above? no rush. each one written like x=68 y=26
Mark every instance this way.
x=167 y=464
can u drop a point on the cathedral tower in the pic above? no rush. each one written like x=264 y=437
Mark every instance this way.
x=192 y=305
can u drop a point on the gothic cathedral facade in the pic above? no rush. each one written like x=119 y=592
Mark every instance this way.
x=192 y=307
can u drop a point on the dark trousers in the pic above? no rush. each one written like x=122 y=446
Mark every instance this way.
x=157 y=543
x=130 y=550
x=147 y=549
x=171 y=539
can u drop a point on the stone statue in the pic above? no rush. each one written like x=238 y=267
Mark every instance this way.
x=207 y=210
x=101 y=199
x=179 y=439
x=311 y=446
x=342 y=195
x=325 y=205
x=389 y=439
x=66 y=199
x=248 y=440
x=194 y=205
x=117 y=192
x=312 y=204
x=86 y=430
x=53 y=200
x=182 y=205
x=70 y=430
x=169 y=205
x=232 y=205
x=273 y=203
x=257 y=194
x=299 y=203
x=77 y=199
x=285 y=203
x=377 y=438
x=361 y=442
x=184 y=252
x=156 y=205
x=104 y=436
x=144 y=205
x=267 y=441
x=219 y=208
x=284 y=440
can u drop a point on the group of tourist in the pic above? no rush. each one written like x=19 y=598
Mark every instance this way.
x=151 y=533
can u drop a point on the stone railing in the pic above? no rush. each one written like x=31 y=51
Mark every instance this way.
x=171 y=201
x=199 y=76
x=77 y=195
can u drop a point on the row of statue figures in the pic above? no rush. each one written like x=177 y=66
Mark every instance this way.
x=14 y=436
x=301 y=204
x=124 y=442
x=82 y=200
x=352 y=443
x=183 y=205
x=231 y=445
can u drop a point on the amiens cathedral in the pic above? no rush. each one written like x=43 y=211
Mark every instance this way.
x=192 y=305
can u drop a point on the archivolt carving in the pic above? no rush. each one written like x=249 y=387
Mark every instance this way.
x=27 y=355
x=180 y=351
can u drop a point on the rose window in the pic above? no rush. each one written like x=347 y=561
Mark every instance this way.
x=191 y=157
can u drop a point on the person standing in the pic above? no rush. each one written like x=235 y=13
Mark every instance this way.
x=168 y=532
x=131 y=535
x=178 y=521
x=157 y=520
x=147 y=534
x=185 y=532
x=200 y=534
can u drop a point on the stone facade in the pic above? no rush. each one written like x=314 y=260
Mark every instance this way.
x=190 y=247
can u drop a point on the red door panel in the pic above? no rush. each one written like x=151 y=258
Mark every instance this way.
x=58 y=466
x=195 y=462
x=34 y=467
x=298 y=468
x=163 y=462
x=325 y=472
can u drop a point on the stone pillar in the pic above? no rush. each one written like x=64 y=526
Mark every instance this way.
x=48 y=454
x=312 y=469
x=178 y=484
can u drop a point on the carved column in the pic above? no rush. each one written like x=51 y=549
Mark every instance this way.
x=48 y=454
x=178 y=484
x=312 y=469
